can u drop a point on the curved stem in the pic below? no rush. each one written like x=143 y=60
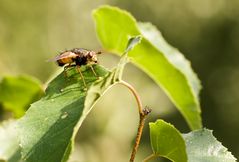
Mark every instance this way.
x=142 y=114
x=150 y=157
x=131 y=88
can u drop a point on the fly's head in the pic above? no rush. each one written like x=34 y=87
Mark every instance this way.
x=92 y=57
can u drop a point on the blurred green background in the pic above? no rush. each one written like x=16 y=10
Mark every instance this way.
x=206 y=31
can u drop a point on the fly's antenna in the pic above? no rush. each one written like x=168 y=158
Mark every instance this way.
x=98 y=52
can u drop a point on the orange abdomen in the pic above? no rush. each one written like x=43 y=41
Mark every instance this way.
x=65 y=60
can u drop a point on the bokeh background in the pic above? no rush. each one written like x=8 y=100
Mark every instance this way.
x=206 y=31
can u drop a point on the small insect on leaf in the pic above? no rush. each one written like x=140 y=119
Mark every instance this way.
x=77 y=57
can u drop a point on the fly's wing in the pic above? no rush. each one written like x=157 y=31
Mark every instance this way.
x=62 y=56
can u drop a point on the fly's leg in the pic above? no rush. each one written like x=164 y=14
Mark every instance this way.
x=65 y=73
x=92 y=69
x=81 y=75
x=65 y=69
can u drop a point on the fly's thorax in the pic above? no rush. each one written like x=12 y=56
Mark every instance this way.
x=81 y=60
x=79 y=51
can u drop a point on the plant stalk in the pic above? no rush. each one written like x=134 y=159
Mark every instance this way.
x=142 y=116
x=131 y=88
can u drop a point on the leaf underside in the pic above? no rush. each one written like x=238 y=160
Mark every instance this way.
x=196 y=146
x=202 y=146
x=166 y=65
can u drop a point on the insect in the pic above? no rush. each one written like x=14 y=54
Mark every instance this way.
x=77 y=57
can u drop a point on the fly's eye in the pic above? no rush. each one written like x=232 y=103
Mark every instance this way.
x=90 y=54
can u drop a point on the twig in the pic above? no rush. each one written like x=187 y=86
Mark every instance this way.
x=142 y=116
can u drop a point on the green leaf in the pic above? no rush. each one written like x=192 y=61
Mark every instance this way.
x=9 y=150
x=17 y=93
x=202 y=146
x=166 y=141
x=50 y=123
x=155 y=56
x=48 y=129
x=114 y=28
